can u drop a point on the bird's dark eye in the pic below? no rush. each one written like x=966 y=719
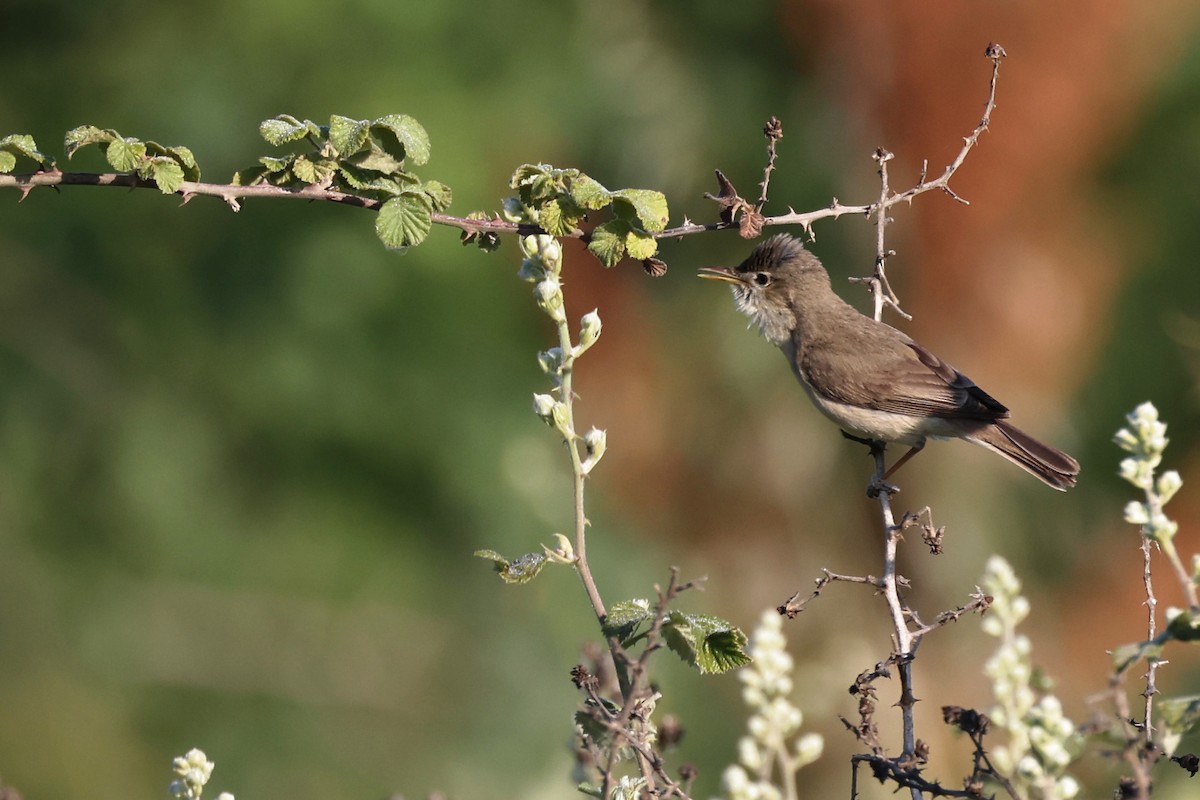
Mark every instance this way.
x=762 y=279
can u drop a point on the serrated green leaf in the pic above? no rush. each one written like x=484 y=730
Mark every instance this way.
x=85 y=135
x=313 y=171
x=708 y=643
x=649 y=206
x=369 y=181
x=526 y=173
x=125 y=153
x=180 y=155
x=164 y=171
x=23 y=145
x=520 y=570
x=404 y=221
x=347 y=135
x=402 y=130
x=640 y=245
x=550 y=217
x=275 y=165
x=589 y=193
x=7 y=161
x=286 y=128
x=439 y=194
x=625 y=617
x=608 y=242
x=378 y=161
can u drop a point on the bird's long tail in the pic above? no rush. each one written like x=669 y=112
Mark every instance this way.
x=1052 y=466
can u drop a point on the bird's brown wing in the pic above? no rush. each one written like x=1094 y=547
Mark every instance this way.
x=893 y=373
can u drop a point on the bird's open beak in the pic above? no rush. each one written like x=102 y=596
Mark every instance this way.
x=720 y=274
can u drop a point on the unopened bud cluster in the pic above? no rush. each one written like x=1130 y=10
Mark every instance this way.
x=1042 y=741
x=1145 y=438
x=542 y=266
x=194 y=769
x=766 y=684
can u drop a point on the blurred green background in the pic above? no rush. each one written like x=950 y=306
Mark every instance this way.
x=245 y=459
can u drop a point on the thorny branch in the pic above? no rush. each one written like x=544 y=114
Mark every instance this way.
x=750 y=222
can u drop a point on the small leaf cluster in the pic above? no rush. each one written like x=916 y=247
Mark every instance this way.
x=710 y=644
x=559 y=200
x=167 y=167
x=366 y=158
x=23 y=145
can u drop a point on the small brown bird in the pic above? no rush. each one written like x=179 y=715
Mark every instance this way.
x=872 y=380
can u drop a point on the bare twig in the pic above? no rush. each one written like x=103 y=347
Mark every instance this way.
x=878 y=284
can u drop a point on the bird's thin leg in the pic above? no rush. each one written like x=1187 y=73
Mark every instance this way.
x=900 y=461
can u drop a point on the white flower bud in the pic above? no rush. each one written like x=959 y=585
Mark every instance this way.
x=1132 y=470
x=1136 y=513
x=596 y=442
x=589 y=330
x=749 y=755
x=543 y=406
x=531 y=271
x=1168 y=484
x=551 y=253
x=809 y=748
x=513 y=210
x=1125 y=440
x=548 y=294
x=551 y=361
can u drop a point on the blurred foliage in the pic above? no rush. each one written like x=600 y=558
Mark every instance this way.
x=245 y=459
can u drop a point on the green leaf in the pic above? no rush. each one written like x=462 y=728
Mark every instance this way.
x=377 y=161
x=125 y=153
x=404 y=221
x=550 y=217
x=625 y=617
x=311 y=171
x=164 y=171
x=251 y=176
x=439 y=194
x=7 y=161
x=649 y=206
x=1125 y=655
x=608 y=241
x=588 y=193
x=640 y=245
x=22 y=145
x=520 y=570
x=1176 y=717
x=366 y=180
x=286 y=128
x=1184 y=626
x=527 y=173
x=347 y=135
x=274 y=165
x=708 y=643
x=85 y=135
x=180 y=155
x=402 y=130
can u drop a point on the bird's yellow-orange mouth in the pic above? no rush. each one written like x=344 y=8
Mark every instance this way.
x=723 y=274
